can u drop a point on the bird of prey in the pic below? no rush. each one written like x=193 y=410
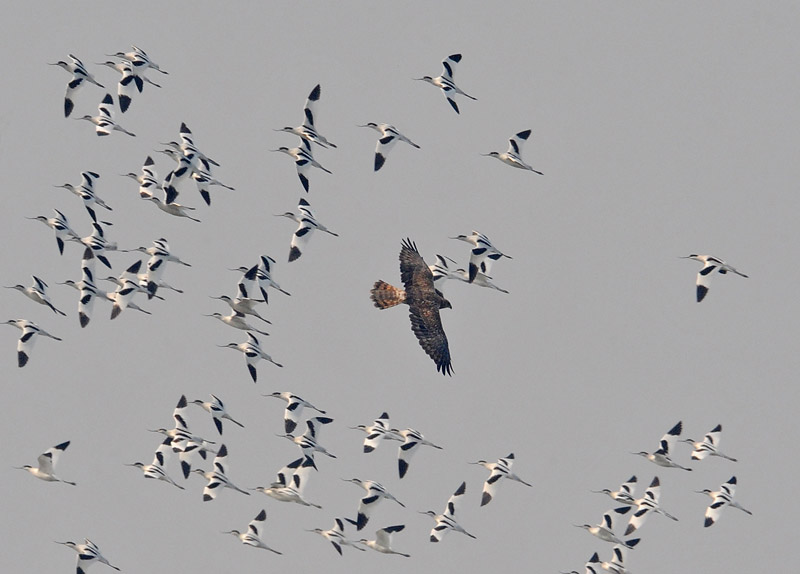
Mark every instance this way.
x=424 y=302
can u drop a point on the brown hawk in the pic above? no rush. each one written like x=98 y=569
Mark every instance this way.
x=424 y=302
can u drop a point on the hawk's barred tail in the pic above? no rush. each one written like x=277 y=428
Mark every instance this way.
x=385 y=296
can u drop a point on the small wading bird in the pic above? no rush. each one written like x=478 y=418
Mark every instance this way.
x=625 y=493
x=500 y=469
x=60 y=225
x=389 y=136
x=512 y=156
x=483 y=253
x=88 y=554
x=242 y=305
x=649 y=502
x=375 y=432
x=591 y=567
x=132 y=81
x=38 y=293
x=617 y=564
x=156 y=468
x=375 y=493
x=252 y=536
x=104 y=120
x=412 y=439
x=306 y=130
x=47 y=463
x=294 y=408
x=29 y=332
x=446 y=521
x=252 y=354
x=216 y=409
x=708 y=446
x=721 y=498
x=79 y=76
x=86 y=192
x=424 y=302
x=308 y=440
x=216 y=478
x=661 y=456
x=303 y=161
x=383 y=540
x=306 y=228
x=710 y=264
x=290 y=482
x=147 y=180
x=336 y=536
x=138 y=59
x=445 y=81
x=183 y=441
x=605 y=530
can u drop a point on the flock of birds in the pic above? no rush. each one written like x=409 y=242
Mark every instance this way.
x=422 y=291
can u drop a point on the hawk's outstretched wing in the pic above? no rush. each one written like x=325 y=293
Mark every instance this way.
x=424 y=303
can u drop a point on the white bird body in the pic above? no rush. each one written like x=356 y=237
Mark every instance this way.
x=710 y=264
x=336 y=536
x=47 y=463
x=243 y=305
x=175 y=209
x=216 y=408
x=253 y=353
x=79 y=76
x=104 y=120
x=648 y=503
x=605 y=529
x=303 y=160
x=389 y=136
x=217 y=478
x=666 y=445
x=625 y=493
x=708 y=446
x=156 y=470
x=60 y=225
x=147 y=180
x=294 y=408
x=307 y=224
x=291 y=482
x=412 y=440
x=480 y=279
x=721 y=498
x=446 y=521
x=512 y=156
x=252 y=536
x=30 y=330
x=306 y=130
x=308 y=440
x=383 y=540
x=86 y=192
x=483 y=253
x=445 y=81
x=237 y=321
x=375 y=493
x=376 y=432
x=88 y=554
x=258 y=275
x=37 y=292
x=499 y=470
x=139 y=60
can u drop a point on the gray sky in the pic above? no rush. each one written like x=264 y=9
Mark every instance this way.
x=662 y=129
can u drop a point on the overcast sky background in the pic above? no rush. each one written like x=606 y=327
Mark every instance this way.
x=663 y=129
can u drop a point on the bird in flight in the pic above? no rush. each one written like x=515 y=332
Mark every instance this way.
x=710 y=264
x=424 y=302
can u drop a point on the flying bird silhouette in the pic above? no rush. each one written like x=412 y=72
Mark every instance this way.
x=424 y=302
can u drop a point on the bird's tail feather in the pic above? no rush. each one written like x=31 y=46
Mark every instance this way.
x=385 y=296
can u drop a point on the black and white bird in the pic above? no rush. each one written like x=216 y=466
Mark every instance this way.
x=375 y=493
x=303 y=160
x=308 y=442
x=307 y=224
x=721 y=498
x=605 y=529
x=47 y=464
x=160 y=255
x=708 y=446
x=86 y=192
x=666 y=445
x=104 y=120
x=336 y=536
x=258 y=276
x=138 y=59
x=237 y=321
x=96 y=246
x=445 y=81
x=252 y=536
x=173 y=208
x=383 y=540
x=710 y=264
x=217 y=478
x=60 y=225
x=127 y=286
x=306 y=130
x=483 y=253
x=30 y=331
x=88 y=554
x=216 y=408
x=446 y=521
x=592 y=566
x=243 y=305
x=87 y=292
x=617 y=563
x=481 y=279
x=625 y=493
x=376 y=432
x=291 y=482
x=389 y=136
x=412 y=440
x=79 y=76
x=131 y=82
x=183 y=441
x=499 y=470
x=645 y=505
x=512 y=156
x=155 y=469
x=37 y=292
x=294 y=408
x=147 y=179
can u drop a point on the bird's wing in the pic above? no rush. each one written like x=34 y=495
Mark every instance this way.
x=256 y=523
x=515 y=143
x=455 y=500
